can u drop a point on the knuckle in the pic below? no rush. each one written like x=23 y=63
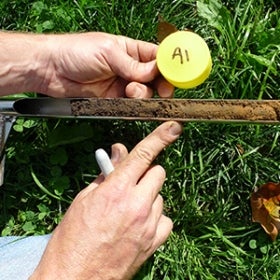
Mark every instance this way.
x=141 y=209
x=120 y=183
x=150 y=232
x=145 y=154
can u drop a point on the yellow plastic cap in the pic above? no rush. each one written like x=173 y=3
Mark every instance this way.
x=184 y=59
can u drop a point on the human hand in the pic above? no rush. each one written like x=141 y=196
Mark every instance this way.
x=89 y=64
x=116 y=223
x=102 y=65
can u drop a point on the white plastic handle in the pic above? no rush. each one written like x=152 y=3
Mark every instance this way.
x=104 y=162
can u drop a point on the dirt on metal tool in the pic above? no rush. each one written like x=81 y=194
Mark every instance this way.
x=185 y=110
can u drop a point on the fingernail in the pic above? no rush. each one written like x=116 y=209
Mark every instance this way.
x=115 y=155
x=166 y=90
x=135 y=90
x=175 y=128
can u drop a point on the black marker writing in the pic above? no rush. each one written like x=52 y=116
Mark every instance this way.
x=178 y=52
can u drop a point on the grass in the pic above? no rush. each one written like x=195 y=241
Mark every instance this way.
x=211 y=170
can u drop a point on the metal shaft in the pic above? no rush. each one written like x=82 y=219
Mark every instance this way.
x=186 y=110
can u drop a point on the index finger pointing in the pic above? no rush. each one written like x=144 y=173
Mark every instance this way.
x=144 y=153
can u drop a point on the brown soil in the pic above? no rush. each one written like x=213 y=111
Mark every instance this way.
x=265 y=111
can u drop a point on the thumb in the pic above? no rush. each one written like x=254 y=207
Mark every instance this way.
x=133 y=70
x=118 y=153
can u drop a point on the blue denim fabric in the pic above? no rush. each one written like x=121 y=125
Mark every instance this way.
x=19 y=256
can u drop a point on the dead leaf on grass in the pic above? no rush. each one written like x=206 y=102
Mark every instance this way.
x=265 y=204
x=164 y=29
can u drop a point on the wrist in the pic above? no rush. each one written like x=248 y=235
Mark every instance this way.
x=24 y=61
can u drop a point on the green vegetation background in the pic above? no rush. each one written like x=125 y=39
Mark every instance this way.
x=211 y=170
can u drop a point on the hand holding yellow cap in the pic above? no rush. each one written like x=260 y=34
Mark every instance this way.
x=184 y=59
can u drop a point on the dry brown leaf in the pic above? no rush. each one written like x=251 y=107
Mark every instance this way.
x=265 y=204
x=164 y=29
x=240 y=149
